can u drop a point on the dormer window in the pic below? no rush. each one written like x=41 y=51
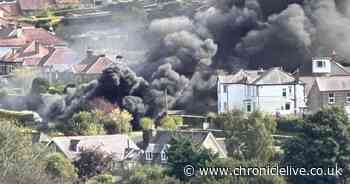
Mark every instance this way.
x=149 y=156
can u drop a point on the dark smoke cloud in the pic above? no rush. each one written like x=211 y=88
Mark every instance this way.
x=188 y=52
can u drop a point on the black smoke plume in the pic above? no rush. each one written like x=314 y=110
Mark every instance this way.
x=224 y=35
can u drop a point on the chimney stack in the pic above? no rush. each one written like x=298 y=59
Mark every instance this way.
x=89 y=52
x=37 y=47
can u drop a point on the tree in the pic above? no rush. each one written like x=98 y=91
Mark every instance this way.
x=60 y=168
x=323 y=143
x=92 y=162
x=103 y=179
x=183 y=152
x=147 y=123
x=120 y=122
x=21 y=162
x=171 y=122
x=149 y=174
x=86 y=123
x=248 y=136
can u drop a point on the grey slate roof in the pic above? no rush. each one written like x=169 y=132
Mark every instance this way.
x=259 y=77
x=119 y=145
x=163 y=137
x=333 y=83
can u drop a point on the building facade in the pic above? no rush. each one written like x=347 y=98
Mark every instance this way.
x=272 y=91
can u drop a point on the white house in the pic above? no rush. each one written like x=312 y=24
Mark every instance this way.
x=273 y=91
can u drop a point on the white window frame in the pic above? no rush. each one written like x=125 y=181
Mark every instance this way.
x=246 y=107
x=348 y=97
x=320 y=64
x=149 y=156
x=290 y=107
x=284 y=92
x=163 y=156
x=331 y=99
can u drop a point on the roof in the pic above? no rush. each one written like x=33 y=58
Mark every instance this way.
x=242 y=76
x=258 y=77
x=10 y=9
x=333 y=83
x=27 y=54
x=32 y=5
x=61 y=58
x=118 y=145
x=22 y=36
x=92 y=65
x=42 y=36
x=275 y=76
x=336 y=69
x=12 y=42
x=163 y=137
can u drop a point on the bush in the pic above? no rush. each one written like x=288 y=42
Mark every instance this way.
x=147 y=123
x=39 y=85
x=60 y=167
x=171 y=122
x=86 y=123
x=103 y=179
x=119 y=122
x=93 y=162
x=290 y=124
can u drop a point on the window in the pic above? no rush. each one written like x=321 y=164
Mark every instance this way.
x=331 y=98
x=149 y=156
x=249 y=107
x=163 y=156
x=320 y=64
x=225 y=88
x=284 y=92
x=348 y=98
x=287 y=106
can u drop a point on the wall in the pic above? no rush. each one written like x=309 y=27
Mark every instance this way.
x=267 y=98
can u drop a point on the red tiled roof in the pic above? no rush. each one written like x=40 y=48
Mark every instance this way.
x=95 y=65
x=28 y=55
x=41 y=35
x=78 y=68
x=10 y=9
x=98 y=67
x=12 y=42
x=32 y=5
x=31 y=61
x=61 y=55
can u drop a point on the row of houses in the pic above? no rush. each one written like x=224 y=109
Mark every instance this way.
x=151 y=149
x=323 y=82
x=37 y=48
